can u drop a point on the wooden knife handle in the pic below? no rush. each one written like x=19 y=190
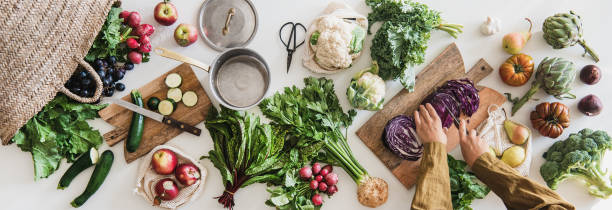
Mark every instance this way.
x=182 y=126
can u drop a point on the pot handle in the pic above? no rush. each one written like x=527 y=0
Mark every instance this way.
x=96 y=79
x=175 y=56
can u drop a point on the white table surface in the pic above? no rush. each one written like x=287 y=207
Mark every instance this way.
x=19 y=191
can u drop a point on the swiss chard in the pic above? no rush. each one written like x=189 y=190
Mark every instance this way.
x=401 y=41
x=58 y=131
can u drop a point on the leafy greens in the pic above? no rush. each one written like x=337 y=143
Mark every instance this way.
x=294 y=194
x=247 y=151
x=58 y=131
x=464 y=188
x=401 y=41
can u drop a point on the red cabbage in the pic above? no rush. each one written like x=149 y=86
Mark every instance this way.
x=400 y=139
x=445 y=105
x=465 y=93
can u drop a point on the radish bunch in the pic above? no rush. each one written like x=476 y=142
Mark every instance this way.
x=322 y=180
x=138 y=42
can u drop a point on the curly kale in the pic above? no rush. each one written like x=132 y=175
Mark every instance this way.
x=579 y=156
x=401 y=41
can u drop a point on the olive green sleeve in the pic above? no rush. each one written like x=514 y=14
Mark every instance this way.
x=516 y=191
x=433 y=180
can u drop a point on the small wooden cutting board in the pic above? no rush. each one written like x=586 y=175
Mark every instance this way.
x=156 y=133
x=447 y=66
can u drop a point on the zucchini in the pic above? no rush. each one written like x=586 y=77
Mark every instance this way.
x=97 y=178
x=137 y=125
x=173 y=80
x=152 y=103
x=175 y=94
x=86 y=160
x=166 y=107
x=190 y=98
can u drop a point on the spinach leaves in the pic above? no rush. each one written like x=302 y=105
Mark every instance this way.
x=464 y=188
x=58 y=131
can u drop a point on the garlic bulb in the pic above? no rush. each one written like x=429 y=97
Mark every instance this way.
x=491 y=26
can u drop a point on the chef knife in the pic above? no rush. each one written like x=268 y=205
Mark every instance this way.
x=155 y=116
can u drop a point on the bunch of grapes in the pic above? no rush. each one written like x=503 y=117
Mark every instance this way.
x=110 y=72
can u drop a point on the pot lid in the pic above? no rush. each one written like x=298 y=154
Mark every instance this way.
x=227 y=23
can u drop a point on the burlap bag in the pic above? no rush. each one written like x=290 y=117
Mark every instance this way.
x=41 y=44
x=492 y=130
x=147 y=178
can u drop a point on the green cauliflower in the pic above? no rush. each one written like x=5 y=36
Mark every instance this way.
x=367 y=89
x=579 y=156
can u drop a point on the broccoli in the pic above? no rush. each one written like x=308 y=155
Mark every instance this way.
x=579 y=156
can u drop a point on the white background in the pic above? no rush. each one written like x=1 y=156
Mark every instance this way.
x=19 y=191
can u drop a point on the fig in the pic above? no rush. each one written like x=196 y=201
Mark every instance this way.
x=590 y=74
x=590 y=105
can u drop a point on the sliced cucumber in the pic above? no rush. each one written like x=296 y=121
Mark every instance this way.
x=152 y=103
x=173 y=80
x=166 y=107
x=190 y=98
x=175 y=94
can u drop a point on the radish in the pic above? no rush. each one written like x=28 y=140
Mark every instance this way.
x=322 y=187
x=324 y=172
x=332 y=189
x=314 y=184
x=329 y=168
x=144 y=39
x=331 y=179
x=145 y=48
x=133 y=19
x=132 y=43
x=124 y=14
x=305 y=173
x=319 y=178
x=316 y=168
x=144 y=30
x=317 y=200
x=135 y=57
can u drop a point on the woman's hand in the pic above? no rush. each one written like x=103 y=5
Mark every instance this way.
x=471 y=145
x=428 y=125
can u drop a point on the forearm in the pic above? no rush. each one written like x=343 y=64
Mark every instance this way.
x=433 y=180
x=516 y=191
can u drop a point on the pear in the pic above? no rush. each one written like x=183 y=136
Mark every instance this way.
x=517 y=133
x=514 y=156
x=492 y=151
x=514 y=42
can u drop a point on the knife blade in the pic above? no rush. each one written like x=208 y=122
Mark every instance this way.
x=155 y=116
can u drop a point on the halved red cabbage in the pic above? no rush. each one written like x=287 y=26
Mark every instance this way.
x=464 y=92
x=400 y=139
x=445 y=105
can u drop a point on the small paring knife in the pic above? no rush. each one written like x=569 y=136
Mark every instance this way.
x=155 y=116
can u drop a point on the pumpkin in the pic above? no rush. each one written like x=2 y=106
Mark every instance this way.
x=550 y=118
x=516 y=70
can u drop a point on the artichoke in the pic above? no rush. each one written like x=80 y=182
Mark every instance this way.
x=565 y=30
x=555 y=76
x=367 y=90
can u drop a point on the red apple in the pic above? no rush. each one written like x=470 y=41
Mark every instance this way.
x=164 y=160
x=165 y=13
x=135 y=57
x=134 y=19
x=166 y=189
x=185 y=34
x=187 y=174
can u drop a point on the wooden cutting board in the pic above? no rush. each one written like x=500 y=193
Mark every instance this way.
x=156 y=133
x=448 y=65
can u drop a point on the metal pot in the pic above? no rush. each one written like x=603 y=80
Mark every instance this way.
x=238 y=77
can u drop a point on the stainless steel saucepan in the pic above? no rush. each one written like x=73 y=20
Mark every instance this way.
x=239 y=77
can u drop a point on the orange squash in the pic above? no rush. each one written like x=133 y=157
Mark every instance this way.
x=550 y=119
x=516 y=70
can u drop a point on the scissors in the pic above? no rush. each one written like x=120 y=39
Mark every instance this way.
x=292 y=37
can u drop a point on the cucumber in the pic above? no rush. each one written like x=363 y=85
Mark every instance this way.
x=86 y=160
x=166 y=107
x=190 y=98
x=97 y=178
x=173 y=80
x=135 y=134
x=152 y=103
x=175 y=94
